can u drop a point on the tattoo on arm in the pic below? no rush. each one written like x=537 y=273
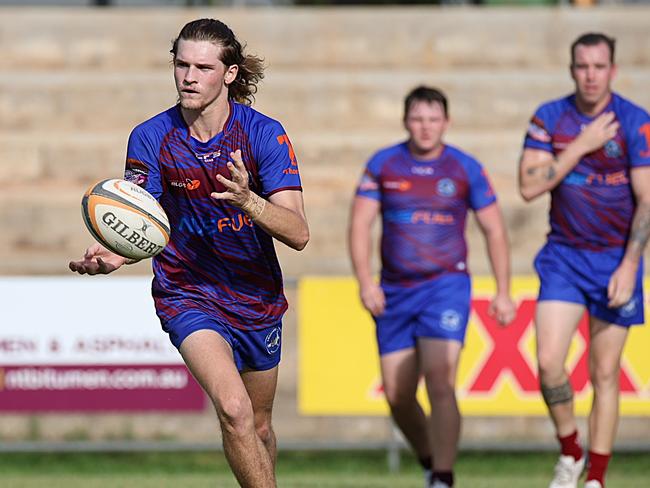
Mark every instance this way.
x=551 y=172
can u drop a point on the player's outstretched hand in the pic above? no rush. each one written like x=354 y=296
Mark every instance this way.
x=373 y=299
x=237 y=191
x=602 y=129
x=502 y=308
x=621 y=284
x=97 y=260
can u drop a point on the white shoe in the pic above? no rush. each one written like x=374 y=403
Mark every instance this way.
x=439 y=484
x=567 y=472
x=593 y=484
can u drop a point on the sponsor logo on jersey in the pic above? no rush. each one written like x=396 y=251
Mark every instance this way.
x=208 y=157
x=398 y=185
x=613 y=149
x=136 y=172
x=367 y=183
x=429 y=217
x=537 y=131
x=446 y=187
x=188 y=184
x=422 y=170
x=450 y=320
x=273 y=340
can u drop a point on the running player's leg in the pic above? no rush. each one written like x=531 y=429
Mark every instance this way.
x=607 y=343
x=210 y=359
x=400 y=376
x=555 y=324
x=439 y=364
x=261 y=386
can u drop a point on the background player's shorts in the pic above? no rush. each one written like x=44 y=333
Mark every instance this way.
x=437 y=309
x=256 y=350
x=582 y=276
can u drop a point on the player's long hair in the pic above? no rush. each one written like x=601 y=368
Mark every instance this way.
x=251 y=68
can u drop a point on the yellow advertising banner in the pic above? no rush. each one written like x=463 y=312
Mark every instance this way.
x=339 y=365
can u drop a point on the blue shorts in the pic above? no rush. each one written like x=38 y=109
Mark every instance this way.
x=437 y=309
x=582 y=276
x=256 y=350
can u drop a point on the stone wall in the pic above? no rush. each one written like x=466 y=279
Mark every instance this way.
x=74 y=82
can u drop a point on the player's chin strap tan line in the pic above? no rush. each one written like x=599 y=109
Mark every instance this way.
x=557 y=394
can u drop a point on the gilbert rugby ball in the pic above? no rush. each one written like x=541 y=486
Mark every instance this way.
x=125 y=218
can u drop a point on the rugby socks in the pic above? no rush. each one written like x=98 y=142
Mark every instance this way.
x=597 y=466
x=570 y=446
x=446 y=477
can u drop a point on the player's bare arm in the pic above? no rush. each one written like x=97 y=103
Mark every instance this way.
x=281 y=216
x=622 y=282
x=491 y=222
x=364 y=214
x=541 y=171
x=98 y=260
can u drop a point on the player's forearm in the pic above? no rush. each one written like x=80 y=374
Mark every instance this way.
x=499 y=255
x=639 y=233
x=539 y=177
x=282 y=223
x=360 y=245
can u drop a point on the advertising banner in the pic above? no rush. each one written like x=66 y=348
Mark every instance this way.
x=339 y=365
x=88 y=344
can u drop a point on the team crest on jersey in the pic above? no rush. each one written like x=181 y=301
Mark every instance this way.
x=446 y=187
x=450 y=320
x=629 y=309
x=613 y=149
x=273 y=340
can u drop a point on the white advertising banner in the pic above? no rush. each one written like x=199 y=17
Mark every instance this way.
x=88 y=344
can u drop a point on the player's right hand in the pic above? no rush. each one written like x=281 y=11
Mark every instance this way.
x=97 y=260
x=373 y=299
x=602 y=129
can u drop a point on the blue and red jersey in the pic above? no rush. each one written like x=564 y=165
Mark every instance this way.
x=217 y=261
x=593 y=207
x=424 y=205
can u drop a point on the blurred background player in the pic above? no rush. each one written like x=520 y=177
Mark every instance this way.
x=228 y=179
x=591 y=151
x=423 y=189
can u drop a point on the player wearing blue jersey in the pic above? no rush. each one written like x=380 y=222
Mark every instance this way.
x=228 y=180
x=590 y=151
x=423 y=189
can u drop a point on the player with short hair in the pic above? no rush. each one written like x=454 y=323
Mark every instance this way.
x=423 y=188
x=228 y=179
x=590 y=150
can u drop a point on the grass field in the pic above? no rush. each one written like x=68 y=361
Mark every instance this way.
x=295 y=470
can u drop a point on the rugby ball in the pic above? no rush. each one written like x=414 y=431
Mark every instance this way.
x=125 y=218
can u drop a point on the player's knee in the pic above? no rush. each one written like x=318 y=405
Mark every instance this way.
x=398 y=398
x=555 y=395
x=441 y=390
x=603 y=376
x=551 y=370
x=235 y=414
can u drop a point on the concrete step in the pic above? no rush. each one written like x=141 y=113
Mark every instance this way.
x=302 y=99
x=357 y=37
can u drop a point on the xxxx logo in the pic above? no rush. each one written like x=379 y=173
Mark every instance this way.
x=506 y=356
